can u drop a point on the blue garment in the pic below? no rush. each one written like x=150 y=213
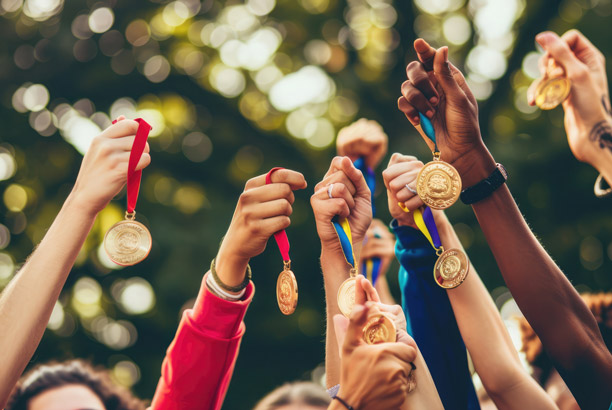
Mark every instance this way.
x=431 y=321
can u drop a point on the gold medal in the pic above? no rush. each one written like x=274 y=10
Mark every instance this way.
x=127 y=242
x=286 y=290
x=451 y=268
x=551 y=92
x=438 y=184
x=379 y=329
x=346 y=294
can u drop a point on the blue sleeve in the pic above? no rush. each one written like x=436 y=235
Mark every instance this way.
x=431 y=321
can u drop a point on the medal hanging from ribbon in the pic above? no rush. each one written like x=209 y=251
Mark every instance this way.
x=128 y=242
x=286 y=284
x=438 y=183
x=369 y=267
x=346 y=292
x=452 y=265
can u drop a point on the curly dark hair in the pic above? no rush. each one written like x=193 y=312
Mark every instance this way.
x=56 y=374
x=600 y=305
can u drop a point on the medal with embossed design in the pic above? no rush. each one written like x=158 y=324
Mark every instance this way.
x=438 y=183
x=553 y=88
x=346 y=291
x=379 y=329
x=286 y=284
x=452 y=265
x=128 y=242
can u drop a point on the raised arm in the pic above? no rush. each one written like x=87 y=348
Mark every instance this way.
x=566 y=327
x=348 y=198
x=27 y=302
x=486 y=338
x=200 y=361
x=588 y=116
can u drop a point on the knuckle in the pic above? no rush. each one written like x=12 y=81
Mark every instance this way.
x=413 y=65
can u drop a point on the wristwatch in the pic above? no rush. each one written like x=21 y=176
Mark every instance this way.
x=485 y=187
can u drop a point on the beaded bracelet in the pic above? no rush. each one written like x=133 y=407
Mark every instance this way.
x=345 y=404
x=245 y=282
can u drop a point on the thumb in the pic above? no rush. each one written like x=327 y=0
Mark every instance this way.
x=445 y=77
x=360 y=294
x=560 y=51
x=354 y=331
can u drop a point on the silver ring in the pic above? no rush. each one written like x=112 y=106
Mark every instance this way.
x=411 y=189
x=329 y=191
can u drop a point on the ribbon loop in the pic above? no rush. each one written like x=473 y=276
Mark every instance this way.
x=281 y=236
x=133 y=176
x=343 y=230
x=428 y=130
x=427 y=225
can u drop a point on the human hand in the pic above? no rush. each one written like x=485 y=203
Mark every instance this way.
x=262 y=210
x=455 y=116
x=402 y=171
x=378 y=243
x=363 y=138
x=588 y=104
x=351 y=199
x=104 y=168
x=366 y=294
x=387 y=365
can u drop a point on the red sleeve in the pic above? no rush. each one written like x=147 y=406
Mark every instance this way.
x=200 y=360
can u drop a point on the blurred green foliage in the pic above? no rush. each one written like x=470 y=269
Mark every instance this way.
x=166 y=62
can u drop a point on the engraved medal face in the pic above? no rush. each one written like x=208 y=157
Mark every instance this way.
x=379 y=329
x=127 y=242
x=451 y=268
x=346 y=296
x=552 y=92
x=286 y=292
x=438 y=184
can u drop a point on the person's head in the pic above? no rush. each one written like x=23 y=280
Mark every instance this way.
x=71 y=385
x=544 y=371
x=295 y=396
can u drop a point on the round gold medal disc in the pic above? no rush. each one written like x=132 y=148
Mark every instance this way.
x=438 y=184
x=127 y=242
x=552 y=92
x=346 y=296
x=286 y=292
x=379 y=329
x=451 y=268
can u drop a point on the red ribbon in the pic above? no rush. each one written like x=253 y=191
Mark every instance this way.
x=281 y=236
x=133 y=176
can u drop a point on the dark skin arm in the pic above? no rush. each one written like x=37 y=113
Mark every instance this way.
x=548 y=300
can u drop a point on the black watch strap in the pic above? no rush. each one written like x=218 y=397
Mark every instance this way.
x=485 y=187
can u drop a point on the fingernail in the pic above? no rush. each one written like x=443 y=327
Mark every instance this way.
x=430 y=113
x=544 y=38
x=433 y=100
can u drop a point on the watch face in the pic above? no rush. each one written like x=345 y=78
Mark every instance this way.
x=503 y=171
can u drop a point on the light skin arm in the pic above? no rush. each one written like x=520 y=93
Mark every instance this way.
x=481 y=326
x=587 y=120
x=27 y=302
x=548 y=300
x=351 y=200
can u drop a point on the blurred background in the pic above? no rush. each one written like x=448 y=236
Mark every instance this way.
x=232 y=89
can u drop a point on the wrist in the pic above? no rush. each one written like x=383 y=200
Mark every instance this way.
x=475 y=166
x=76 y=204
x=231 y=268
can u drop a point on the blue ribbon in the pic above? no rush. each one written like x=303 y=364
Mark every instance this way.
x=371 y=267
x=343 y=230
x=428 y=129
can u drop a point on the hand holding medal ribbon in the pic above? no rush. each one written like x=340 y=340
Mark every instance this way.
x=346 y=292
x=128 y=242
x=286 y=285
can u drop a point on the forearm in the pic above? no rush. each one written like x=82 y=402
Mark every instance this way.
x=546 y=297
x=486 y=338
x=335 y=271
x=27 y=302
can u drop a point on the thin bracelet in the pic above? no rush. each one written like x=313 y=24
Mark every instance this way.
x=245 y=282
x=345 y=404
